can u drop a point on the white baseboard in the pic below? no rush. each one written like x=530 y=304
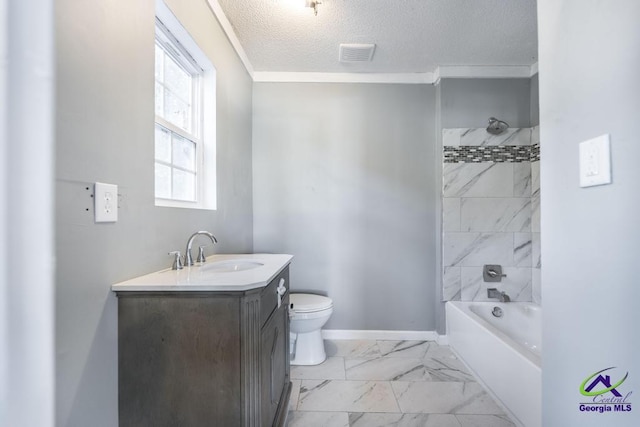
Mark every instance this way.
x=443 y=340
x=350 y=334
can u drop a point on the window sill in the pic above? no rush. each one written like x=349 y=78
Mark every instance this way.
x=163 y=203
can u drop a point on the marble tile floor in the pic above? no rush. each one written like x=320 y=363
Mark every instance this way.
x=366 y=383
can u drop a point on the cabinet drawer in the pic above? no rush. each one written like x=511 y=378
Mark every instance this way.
x=269 y=295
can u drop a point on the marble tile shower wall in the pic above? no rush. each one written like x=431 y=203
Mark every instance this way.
x=491 y=212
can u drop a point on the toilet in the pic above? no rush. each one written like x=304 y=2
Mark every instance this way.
x=308 y=315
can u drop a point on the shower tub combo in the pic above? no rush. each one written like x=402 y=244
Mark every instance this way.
x=501 y=344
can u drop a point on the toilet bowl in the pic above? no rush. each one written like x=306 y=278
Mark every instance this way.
x=308 y=314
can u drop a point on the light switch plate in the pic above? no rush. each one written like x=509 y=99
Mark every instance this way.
x=595 y=161
x=106 y=202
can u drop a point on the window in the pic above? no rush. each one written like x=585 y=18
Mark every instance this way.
x=184 y=143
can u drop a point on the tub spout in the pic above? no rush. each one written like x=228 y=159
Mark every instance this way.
x=494 y=293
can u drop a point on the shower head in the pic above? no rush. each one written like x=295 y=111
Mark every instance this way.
x=496 y=127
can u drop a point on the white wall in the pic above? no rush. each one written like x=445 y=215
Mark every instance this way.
x=344 y=180
x=104 y=132
x=589 y=86
x=26 y=214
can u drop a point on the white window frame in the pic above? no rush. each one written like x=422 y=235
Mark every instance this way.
x=175 y=39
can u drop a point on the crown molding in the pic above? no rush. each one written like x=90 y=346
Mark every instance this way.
x=294 y=77
x=443 y=72
x=231 y=35
x=485 y=72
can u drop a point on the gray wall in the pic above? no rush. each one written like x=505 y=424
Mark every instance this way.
x=589 y=86
x=535 y=100
x=104 y=119
x=344 y=180
x=468 y=103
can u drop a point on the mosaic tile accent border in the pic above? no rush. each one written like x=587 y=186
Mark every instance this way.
x=535 y=152
x=496 y=153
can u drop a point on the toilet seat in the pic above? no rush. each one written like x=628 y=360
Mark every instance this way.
x=309 y=303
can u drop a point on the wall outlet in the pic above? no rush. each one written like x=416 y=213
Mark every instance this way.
x=595 y=162
x=106 y=202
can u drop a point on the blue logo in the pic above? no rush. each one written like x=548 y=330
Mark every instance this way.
x=604 y=393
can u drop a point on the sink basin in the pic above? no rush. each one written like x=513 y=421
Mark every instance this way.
x=231 y=265
x=222 y=272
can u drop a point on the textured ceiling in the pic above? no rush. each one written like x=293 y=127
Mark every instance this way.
x=411 y=36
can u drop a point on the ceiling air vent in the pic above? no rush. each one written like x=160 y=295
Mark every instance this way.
x=356 y=52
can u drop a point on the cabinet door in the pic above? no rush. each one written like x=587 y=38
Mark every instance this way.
x=274 y=362
x=179 y=360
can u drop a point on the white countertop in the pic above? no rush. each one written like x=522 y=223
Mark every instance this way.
x=212 y=276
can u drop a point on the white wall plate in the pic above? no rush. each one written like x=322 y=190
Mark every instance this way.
x=106 y=202
x=595 y=161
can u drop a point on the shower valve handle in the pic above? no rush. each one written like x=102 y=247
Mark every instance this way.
x=493 y=273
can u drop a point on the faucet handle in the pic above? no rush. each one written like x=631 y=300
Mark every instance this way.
x=201 y=258
x=177 y=261
x=492 y=273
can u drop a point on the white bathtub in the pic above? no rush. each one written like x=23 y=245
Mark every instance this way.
x=504 y=352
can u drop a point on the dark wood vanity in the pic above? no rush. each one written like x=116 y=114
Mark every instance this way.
x=204 y=358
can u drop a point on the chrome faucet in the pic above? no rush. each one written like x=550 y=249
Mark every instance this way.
x=494 y=293
x=492 y=273
x=188 y=259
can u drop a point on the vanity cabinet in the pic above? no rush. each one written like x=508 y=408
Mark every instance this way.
x=204 y=358
x=274 y=344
